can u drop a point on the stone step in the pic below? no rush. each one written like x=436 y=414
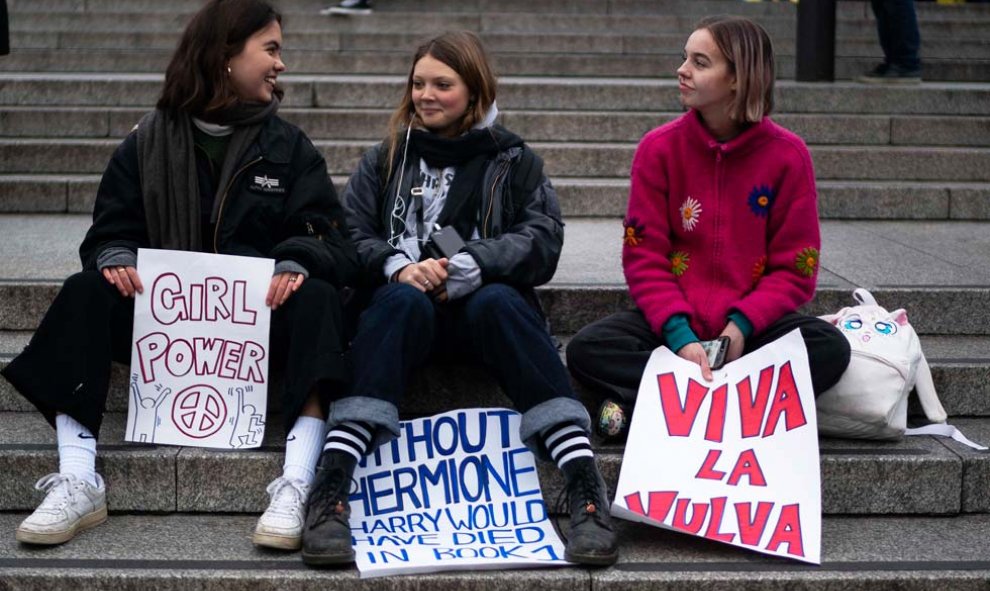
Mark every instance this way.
x=960 y=368
x=835 y=162
x=513 y=64
x=516 y=93
x=918 y=475
x=137 y=552
x=497 y=43
x=938 y=271
x=534 y=126
x=591 y=197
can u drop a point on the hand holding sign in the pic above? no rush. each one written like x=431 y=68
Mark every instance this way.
x=734 y=460
x=125 y=279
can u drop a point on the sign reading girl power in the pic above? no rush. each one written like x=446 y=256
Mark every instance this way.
x=734 y=460
x=457 y=491
x=199 y=358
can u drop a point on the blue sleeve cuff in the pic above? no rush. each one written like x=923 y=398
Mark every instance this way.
x=745 y=326
x=677 y=333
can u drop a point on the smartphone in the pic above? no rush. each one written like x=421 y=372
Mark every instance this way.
x=716 y=350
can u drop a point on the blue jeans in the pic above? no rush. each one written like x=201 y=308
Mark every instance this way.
x=897 y=26
x=402 y=329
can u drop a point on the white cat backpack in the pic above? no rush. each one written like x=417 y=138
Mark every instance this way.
x=870 y=401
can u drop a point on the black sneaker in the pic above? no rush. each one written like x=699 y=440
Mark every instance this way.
x=327 y=532
x=591 y=539
x=891 y=74
x=349 y=7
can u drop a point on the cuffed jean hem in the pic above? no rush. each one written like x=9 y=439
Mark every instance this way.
x=380 y=413
x=547 y=414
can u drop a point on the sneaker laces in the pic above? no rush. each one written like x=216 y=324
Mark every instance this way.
x=330 y=495
x=60 y=491
x=287 y=495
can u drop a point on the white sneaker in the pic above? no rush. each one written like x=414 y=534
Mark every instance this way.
x=72 y=505
x=281 y=525
x=349 y=7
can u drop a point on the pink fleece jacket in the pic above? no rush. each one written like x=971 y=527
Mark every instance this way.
x=714 y=227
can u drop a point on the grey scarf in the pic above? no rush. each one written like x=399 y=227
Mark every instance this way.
x=169 y=180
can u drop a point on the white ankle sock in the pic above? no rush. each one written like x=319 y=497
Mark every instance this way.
x=302 y=449
x=76 y=449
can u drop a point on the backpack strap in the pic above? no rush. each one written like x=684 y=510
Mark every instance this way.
x=864 y=297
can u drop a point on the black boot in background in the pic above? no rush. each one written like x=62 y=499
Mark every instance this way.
x=327 y=531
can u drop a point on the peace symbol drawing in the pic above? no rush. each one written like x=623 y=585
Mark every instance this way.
x=199 y=411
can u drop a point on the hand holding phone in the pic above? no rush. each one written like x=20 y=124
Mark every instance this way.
x=716 y=350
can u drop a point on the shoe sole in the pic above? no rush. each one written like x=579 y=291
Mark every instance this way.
x=866 y=80
x=88 y=521
x=276 y=541
x=328 y=559
x=592 y=559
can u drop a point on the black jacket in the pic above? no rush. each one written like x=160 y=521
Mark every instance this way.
x=520 y=227
x=280 y=205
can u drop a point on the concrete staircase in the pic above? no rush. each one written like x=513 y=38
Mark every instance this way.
x=904 y=179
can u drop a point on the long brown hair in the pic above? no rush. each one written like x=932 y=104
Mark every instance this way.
x=197 y=80
x=464 y=53
x=749 y=51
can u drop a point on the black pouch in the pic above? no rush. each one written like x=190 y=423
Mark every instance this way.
x=443 y=243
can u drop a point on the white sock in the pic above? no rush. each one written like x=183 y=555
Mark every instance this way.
x=302 y=449
x=76 y=449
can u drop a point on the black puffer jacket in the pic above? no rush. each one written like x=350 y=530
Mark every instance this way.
x=280 y=204
x=519 y=221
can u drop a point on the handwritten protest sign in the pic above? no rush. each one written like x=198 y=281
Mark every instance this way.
x=734 y=460
x=457 y=491
x=199 y=358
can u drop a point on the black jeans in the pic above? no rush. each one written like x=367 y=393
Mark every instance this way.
x=610 y=355
x=66 y=366
x=897 y=27
x=402 y=328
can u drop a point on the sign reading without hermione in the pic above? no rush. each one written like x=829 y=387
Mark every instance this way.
x=457 y=491
x=199 y=358
x=734 y=460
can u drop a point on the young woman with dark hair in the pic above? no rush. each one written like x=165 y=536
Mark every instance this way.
x=446 y=165
x=721 y=236
x=184 y=179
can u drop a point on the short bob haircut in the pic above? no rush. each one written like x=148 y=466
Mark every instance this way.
x=197 y=80
x=749 y=51
x=464 y=53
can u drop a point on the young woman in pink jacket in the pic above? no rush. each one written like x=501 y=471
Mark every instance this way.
x=721 y=236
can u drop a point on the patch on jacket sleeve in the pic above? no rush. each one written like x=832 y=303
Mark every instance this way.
x=679 y=262
x=806 y=261
x=759 y=268
x=268 y=184
x=633 y=232
x=761 y=200
x=690 y=213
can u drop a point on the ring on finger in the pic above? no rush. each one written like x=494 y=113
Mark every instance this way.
x=121 y=269
x=426 y=283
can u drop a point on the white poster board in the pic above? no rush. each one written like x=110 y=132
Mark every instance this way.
x=457 y=491
x=734 y=460
x=199 y=355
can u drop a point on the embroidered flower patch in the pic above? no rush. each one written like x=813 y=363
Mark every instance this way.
x=759 y=268
x=679 y=262
x=761 y=199
x=807 y=261
x=633 y=233
x=690 y=212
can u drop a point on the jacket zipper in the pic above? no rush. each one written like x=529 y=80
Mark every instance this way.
x=491 y=202
x=226 y=191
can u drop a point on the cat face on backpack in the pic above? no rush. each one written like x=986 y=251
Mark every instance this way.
x=871 y=325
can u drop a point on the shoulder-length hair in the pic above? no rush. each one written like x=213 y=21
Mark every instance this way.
x=464 y=53
x=197 y=80
x=749 y=51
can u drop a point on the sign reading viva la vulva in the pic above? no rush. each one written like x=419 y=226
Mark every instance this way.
x=199 y=358
x=734 y=460
x=456 y=491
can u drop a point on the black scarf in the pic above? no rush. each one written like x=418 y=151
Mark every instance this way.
x=167 y=167
x=468 y=153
